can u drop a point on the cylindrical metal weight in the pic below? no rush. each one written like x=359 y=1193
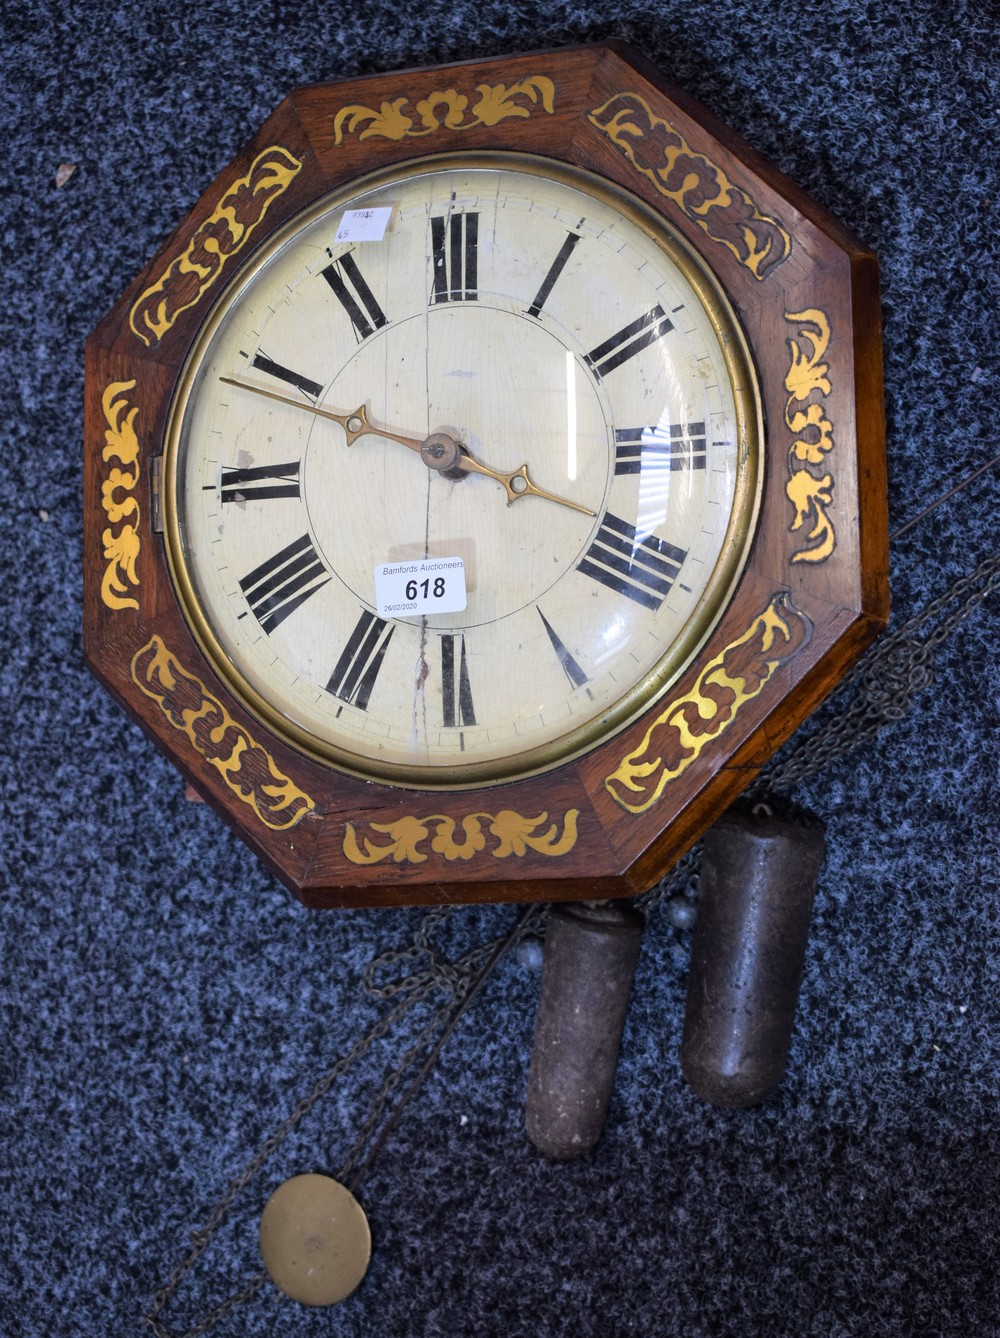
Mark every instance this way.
x=591 y=952
x=758 y=879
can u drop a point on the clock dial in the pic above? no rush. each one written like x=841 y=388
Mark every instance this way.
x=525 y=374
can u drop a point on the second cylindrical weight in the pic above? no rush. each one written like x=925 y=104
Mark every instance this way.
x=758 y=879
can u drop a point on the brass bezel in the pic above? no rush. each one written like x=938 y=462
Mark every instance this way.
x=715 y=597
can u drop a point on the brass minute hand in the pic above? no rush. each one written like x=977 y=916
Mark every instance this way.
x=355 y=424
x=440 y=451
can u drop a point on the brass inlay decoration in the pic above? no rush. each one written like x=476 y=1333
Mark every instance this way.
x=446 y=109
x=225 y=232
x=121 y=544
x=699 y=188
x=808 y=384
x=510 y=833
x=680 y=733
x=246 y=767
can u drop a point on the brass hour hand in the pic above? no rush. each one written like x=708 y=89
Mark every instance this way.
x=440 y=451
x=517 y=484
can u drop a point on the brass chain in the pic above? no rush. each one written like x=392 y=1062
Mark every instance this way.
x=883 y=684
x=459 y=979
x=880 y=691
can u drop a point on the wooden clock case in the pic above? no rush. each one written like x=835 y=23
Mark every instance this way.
x=813 y=594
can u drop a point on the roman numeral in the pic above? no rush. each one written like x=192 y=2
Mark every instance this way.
x=643 y=569
x=354 y=295
x=629 y=341
x=555 y=269
x=679 y=446
x=260 y=483
x=456 y=691
x=355 y=672
x=265 y=364
x=574 y=673
x=278 y=586
x=455 y=257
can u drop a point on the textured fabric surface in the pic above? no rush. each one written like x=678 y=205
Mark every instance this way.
x=165 y=1002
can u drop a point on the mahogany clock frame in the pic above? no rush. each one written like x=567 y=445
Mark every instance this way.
x=814 y=592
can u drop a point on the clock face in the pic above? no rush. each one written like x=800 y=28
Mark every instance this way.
x=462 y=471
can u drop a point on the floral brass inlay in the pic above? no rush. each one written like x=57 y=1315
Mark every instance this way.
x=446 y=109
x=221 y=235
x=699 y=188
x=121 y=545
x=507 y=833
x=679 y=734
x=246 y=767
x=808 y=384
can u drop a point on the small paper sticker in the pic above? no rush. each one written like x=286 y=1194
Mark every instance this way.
x=429 y=585
x=363 y=225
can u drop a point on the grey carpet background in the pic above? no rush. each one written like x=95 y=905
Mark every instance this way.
x=166 y=1003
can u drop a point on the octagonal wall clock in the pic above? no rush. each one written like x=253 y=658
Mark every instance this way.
x=485 y=479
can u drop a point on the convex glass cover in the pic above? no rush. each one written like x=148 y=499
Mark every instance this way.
x=462 y=471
